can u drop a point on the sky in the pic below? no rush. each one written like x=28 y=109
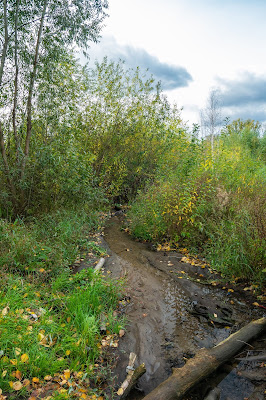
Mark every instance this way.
x=192 y=47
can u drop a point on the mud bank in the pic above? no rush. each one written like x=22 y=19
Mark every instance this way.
x=171 y=316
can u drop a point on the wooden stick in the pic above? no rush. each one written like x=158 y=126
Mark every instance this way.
x=205 y=362
x=132 y=376
x=100 y=264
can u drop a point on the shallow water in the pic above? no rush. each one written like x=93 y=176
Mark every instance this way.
x=161 y=331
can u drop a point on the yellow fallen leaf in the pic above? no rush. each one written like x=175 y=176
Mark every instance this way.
x=120 y=391
x=256 y=304
x=68 y=352
x=14 y=361
x=48 y=378
x=17 y=351
x=11 y=384
x=41 y=270
x=4 y=373
x=68 y=319
x=17 y=385
x=34 y=398
x=67 y=374
x=230 y=290
x=24 y=358
x=26 y=382
x=35 y=380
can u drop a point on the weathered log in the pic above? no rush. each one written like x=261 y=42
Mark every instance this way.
x=205 y=362
x=133 y=374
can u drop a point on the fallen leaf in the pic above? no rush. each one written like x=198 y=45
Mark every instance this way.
x=4 y=373
x=5 y=310
x=68 y=352
x=18 y=375
x=230 y=290
x=35 y=380
x=17 y=351
x=24 y=358
x=17 y=385
x=144 y=315
x=215 y=315
x=120 y=391
x=48 y=378
x=256 y=304
x=67 y=374
x=121 y=332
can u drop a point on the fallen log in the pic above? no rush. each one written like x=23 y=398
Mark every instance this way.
x=133 y=374
x=205 y=362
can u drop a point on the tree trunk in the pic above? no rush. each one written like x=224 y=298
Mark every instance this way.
x=3 y=57
x=205 y=362
x=30 y=94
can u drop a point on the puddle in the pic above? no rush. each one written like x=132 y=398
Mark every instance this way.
x=161 y=329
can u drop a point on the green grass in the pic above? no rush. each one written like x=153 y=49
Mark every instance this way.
x=50 y=318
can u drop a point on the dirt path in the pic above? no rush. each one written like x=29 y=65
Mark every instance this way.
x=167 y=314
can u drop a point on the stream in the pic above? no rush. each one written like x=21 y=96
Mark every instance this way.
x=161 y=328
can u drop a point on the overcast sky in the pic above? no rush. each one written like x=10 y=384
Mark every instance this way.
x=193 y=46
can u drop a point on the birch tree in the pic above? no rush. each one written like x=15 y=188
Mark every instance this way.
x=33 y=35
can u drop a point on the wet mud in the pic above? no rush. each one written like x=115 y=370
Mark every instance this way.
x=170 y=316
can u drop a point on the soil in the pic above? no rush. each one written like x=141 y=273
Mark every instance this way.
x=171 y=315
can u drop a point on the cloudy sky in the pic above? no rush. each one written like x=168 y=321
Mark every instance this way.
x=193 y=46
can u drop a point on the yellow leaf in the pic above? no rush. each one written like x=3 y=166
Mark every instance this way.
x=35 y=380
x=48 y=378
x=68 y=319
x=41 y=270
x=230 y=290
x=256 y=304
x=40 y=336
x=14 y=361
x=11 y=384
x=120 y=391
x=17 y=385
x=4 y=373
x=68 y=352
x=17 y=351
x=67 y=374
x=24 y=358
x=37 y=294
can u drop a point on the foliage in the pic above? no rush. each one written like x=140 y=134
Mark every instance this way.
x=38 y=82
x=212 y=200
x=127 y=125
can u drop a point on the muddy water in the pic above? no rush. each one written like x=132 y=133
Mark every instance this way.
x=161 y=330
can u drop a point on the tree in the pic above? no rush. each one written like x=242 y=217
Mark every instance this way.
x=35 y=36
x=211 y=117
